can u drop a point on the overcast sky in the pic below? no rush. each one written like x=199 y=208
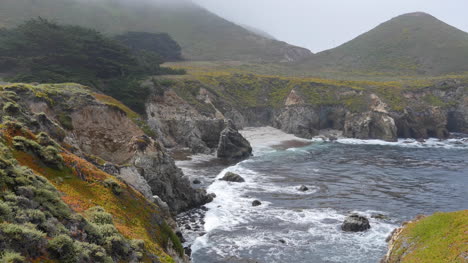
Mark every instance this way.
x=324 y=24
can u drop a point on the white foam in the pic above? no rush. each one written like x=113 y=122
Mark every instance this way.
x=429 y=143
x=231 y=211
x=266 y=137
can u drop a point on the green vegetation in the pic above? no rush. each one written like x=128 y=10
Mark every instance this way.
x=437 y=238
x=43 y=51
x=161 y=44
x=36 y=218
x=411 y=44
x=243 y=90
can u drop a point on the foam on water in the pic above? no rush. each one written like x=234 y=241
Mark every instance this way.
x=237 y=230
x=460 y=143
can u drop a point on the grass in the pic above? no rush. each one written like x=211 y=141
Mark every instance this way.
x=441 y=237
x=244 y=90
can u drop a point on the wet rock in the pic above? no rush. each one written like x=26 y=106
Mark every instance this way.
x=355 y=223
x=232 y=177
x=232 y=145
x=180 y=236
x=196 y=181
x=379 y=216
x=188 y=251
x=303 y=188
x=256 y=203
x=282 y=241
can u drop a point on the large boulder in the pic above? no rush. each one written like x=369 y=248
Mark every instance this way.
x=232 y=177
x=355 y=223
x=232 y=145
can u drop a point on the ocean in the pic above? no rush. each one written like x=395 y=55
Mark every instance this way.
x=388 y=182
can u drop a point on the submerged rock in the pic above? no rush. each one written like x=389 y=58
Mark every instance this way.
x=232 y=177
x=256 y=203
x=355 y=223
x=196 y=181
x=303 y=188
x=232 y=145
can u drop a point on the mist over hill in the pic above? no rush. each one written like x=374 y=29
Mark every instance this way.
x=201 y=34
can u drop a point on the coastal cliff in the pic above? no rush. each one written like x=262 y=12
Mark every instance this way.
x=99 y=170
x=190 y=111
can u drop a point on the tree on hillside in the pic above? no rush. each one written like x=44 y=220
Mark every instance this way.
x=161 y=44
x=40 y=50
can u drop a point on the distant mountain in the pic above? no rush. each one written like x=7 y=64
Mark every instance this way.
x=258 y=31
x=415 y=43
x=202 y=34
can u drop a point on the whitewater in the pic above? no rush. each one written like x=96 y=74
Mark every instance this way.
x=388 y=182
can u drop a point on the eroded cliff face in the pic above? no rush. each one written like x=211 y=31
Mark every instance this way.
x=106 y=132
x=364 y=110
x=69 y=146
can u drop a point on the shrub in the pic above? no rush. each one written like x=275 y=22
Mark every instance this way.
x=11 y=257
x=61 y=247
x=5 y=212
x=87 y=252
x=45 y=140
x=65 y=121
x=21 y=143
x=52 y=202
x=99 y=216
x=11 y=108
x=51 y=155
x=117 y=245
x=105 y=231
x=113 y=185
x=24 y=238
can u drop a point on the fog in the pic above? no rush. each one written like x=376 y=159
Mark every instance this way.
x=324 y=24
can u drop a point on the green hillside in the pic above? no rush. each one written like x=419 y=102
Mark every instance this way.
x=415 y=43
x=202 y=35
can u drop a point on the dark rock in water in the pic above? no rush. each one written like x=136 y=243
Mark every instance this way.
x=232 y=177
x=256 y=203
x=282 y=241
x=380 y=216
x=303 y=188
x=180 y=236
x=188 y=227
x=232 y=145
x=355 y=223
x=196 y=181
x=188 y=251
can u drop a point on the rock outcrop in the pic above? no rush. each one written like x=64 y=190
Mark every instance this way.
x=100 y=129
x=355 y=223
x=232 y=145
x=168 y=182
x=370 y=125
x=232 y=177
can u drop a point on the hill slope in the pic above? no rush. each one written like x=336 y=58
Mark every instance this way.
x=415 y=43
x=202 y=35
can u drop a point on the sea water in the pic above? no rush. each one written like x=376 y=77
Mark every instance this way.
x=388 y=182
